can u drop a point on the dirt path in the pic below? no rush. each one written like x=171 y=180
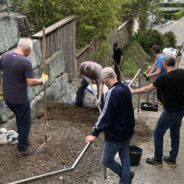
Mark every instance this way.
x=68 y=126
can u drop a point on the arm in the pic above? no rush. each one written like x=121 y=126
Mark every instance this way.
x=34 y=82
x=104 y=120
x=151 y=73
x=100 y=88
x=144 y=89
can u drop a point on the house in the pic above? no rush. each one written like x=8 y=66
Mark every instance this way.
x=171 y=1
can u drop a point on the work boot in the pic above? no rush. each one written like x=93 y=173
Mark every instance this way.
x=170 y=162
x=132 y=174
x=154 y=161
x=27 y=152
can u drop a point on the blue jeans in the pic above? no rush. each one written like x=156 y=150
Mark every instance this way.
x=23 y=122
x=172 y=121
x=122 y=170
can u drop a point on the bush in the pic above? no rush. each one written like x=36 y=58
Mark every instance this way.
x=152 y=37
x=149 y=38
x=178 y=14
x=168 y=16
x=169 y=39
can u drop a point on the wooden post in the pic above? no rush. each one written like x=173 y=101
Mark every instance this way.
x=45 y=94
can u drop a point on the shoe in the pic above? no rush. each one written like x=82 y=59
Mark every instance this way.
x=27 y=152
x=170 y=162
x=154 y=161
x=132 y=174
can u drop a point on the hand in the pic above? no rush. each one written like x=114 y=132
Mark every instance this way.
x=146 y=76
x=98 y=102
x=90 y=138
x=131 y=90
x=44 y=78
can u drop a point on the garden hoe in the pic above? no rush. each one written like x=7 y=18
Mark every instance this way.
x=100 y=110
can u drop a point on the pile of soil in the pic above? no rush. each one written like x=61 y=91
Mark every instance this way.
x=67 y=125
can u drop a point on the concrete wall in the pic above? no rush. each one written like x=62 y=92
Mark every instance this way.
x=58 y=80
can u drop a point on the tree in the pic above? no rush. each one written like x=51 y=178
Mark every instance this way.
x=140 y=9
x=94 y=18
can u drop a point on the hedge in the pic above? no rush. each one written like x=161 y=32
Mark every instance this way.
x=172 y=15
x=178 y=4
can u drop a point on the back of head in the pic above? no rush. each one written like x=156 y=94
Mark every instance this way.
x=115 y=45
x=25 y=43
x=156 y=49
x=169 y=60
x=88 y=69
x=108 y=73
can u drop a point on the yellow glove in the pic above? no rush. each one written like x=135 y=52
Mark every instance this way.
x=44 y=78
x=146 y=76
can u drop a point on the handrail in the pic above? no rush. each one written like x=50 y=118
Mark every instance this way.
x=53 y=27
x=135 y=76
x=38 y=177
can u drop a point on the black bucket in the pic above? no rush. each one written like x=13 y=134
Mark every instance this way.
x=135 y=155
x=146 y=106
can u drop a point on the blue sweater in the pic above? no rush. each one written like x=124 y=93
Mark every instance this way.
x=117 y=118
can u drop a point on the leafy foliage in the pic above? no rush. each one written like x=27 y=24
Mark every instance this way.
x=94 y=18
x=169 y=39
x=152 y=37
x=131 y=9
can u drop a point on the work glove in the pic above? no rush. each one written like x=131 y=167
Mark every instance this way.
x=44 y=78
x=146 y=76
x=98 y=102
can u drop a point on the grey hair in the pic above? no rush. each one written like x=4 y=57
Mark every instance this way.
x=169 y=59
x=25 y=43
x=108 y=73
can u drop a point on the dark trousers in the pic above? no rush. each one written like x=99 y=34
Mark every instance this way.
x=172 y=121
x=117 y=70
x=23 y=122
x=80 y=93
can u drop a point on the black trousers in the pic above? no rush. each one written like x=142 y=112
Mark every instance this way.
x=80 y=94
x=23 y=122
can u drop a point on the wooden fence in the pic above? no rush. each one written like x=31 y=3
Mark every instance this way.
x=61 y=36
x=120 y=34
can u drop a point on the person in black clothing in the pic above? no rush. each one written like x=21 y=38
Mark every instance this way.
x=171 y=90
x=118 y=59
x=117 y=122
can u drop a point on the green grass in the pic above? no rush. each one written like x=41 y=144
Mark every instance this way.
x=134 y=58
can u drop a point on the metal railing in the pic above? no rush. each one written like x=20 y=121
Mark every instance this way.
x=138 y=76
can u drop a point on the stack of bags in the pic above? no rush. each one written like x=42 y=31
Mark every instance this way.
x=8 y=136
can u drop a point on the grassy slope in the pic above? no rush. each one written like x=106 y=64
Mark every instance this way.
x=134 y=58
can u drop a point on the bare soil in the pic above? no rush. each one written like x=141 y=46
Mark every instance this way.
x=67 y=125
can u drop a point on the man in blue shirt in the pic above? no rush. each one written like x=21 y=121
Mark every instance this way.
x=158 y=68
x=117 y=122
x=17 y=76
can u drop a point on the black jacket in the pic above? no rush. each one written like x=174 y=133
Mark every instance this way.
x=117 y=118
